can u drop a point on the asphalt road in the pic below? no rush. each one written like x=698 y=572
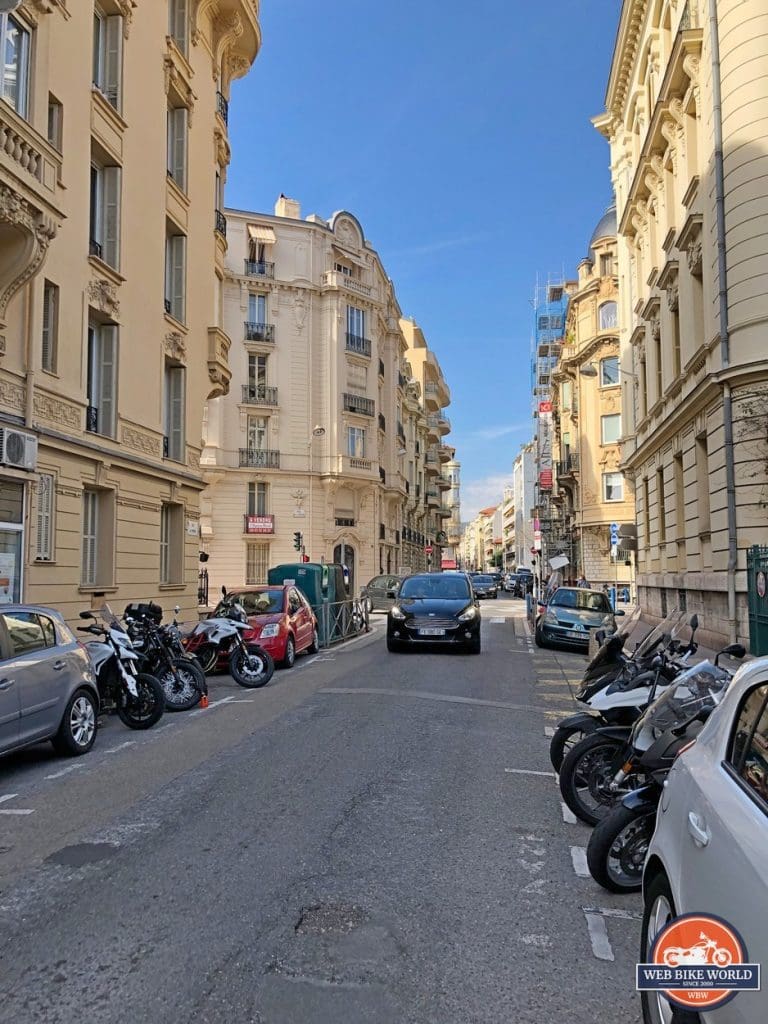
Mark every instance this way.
x=372 y=839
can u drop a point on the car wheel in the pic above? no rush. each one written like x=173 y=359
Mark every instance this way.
x=368 y=605
x=474 y=645
x=314 y=647
x=77 y=732
x=658 y=910
x=393 y=645
x=539 y=638
x=290 y=653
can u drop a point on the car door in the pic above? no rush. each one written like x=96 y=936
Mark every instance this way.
x=725 y=838
x=40 y=670
x=377 y=592
x=297 y=618
x=10 y=701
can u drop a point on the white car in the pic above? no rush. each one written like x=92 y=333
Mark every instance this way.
x=709 y=853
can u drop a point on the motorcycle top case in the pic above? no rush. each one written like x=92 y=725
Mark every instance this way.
x=141 y=609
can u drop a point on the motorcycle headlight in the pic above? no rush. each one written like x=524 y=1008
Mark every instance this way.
x=469 y=614
x=270 y=630
x=396 y=613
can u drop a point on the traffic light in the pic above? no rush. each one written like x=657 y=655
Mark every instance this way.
x=305 y=558
x=297 y=540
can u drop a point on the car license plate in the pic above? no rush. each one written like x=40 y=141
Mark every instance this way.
x=576 y=633
x=432 y=632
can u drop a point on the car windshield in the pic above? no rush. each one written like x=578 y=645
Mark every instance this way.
x=435 y=587
x=263 y=602
x=581 y=600
x=484 y=581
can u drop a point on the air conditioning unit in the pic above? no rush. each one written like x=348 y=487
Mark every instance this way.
x=17 y=449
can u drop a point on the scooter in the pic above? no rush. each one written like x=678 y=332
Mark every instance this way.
x=249 y=664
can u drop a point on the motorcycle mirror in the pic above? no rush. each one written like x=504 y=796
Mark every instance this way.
x=87 y=615
x=223 y=591
x=733 y=651
x=177 y=609
x=657 y=662
x=694 y=623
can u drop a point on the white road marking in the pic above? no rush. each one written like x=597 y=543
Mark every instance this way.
x=17 y=812
x=598 y=936
x=8 y=796
x=65 y=771
x=568 y=816
x=625 y=915
x=528 y=771
x=422 y=695
x=579 y=860
x=240 y=700
x=549 y=730
x=497 y=621
x=121 y=746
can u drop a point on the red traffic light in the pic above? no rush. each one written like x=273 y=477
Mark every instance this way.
x=305 y=558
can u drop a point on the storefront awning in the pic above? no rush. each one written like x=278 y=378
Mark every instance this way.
x=261 y=233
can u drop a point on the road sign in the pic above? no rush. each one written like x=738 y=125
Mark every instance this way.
x=614 y=535
x=428 y=548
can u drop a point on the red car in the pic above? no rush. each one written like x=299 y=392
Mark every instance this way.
x=282 y=620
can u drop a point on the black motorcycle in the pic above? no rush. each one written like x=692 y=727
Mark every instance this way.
x=162 y=655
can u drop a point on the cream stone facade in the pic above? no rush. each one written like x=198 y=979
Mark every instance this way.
x=113 y=143
x=326 y=430
x=689 y=161
x=586 y=412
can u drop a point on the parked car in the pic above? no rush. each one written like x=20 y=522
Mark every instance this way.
x=498 y=579
x=708 y=852
x=374 y=594
x=571 y=614
x=47 y=686
x=281 y=618
x=484 y=586
x=433 y=608
x=511 y=581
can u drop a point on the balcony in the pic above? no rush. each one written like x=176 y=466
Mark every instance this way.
x=258 y=524
x=333 y=279
x=355 y=464
x=220 y=223
x=360 y=346
x=259 y=458
x=569 y=466
x=259 y=268
x=219 y=373
x=443 y=484
x=259 y=394
x=382 y=423
x=444 y=452
x=443 y=512
x=443 y=424
x=401 y=381
x=258 y=332
x=222 y=107
x=358 y=404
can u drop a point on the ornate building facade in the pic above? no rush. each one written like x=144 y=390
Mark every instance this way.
x=114 y=146
x=685 y=118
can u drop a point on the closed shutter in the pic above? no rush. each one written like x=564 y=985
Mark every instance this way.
x=111 y=210
x=107 y=357
x=113 y=60
x=90 y=532
x=178 y=276
x=177 y=146
x=261 y=499
x=44 y=532
x=50 y=299
x=175 y=399
x=178 y=24
x=165 y=543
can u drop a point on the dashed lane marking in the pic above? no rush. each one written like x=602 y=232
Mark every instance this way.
x=13 y=810
x=7 y=796
x=18 y=812
x=121 y=746
x=529 y=771
x=579 y=861
x=549 y=731
x=65 y=771
x=598 y=937
x=625 y=915
x=497 y=621
x=568 y=816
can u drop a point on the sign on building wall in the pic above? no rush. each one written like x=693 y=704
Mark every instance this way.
x=545 y=446
x=259 y=524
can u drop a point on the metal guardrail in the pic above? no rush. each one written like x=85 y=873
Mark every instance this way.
x=341 y=620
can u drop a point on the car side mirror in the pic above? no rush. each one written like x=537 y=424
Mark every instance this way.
x=619 y=611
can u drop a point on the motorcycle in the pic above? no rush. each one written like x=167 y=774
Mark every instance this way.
x=618 y=845
x=226 y=636
x=162 y=655
x=705 y=951
x=619 y=698
x=136 y=697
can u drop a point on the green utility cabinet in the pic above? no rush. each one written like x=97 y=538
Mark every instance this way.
x=757 y=589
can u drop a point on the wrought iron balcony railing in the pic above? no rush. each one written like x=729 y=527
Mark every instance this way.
x=259 y=332
x=259 y=394
x=259 y=268
x=220 y=223
x=358 y=404
x=259 y=458
x=362 y=346
x=222 y=107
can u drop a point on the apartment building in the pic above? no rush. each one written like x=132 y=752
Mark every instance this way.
x=689 y=163
x=113 y=132
x=326 y=431
x=524 y=500
x=508 y=528
x=452 y=502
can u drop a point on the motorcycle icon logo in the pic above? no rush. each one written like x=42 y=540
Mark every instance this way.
x=706 y=951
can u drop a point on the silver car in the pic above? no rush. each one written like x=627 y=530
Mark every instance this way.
x=709 y=852
x=47 y=687
x=373 y=595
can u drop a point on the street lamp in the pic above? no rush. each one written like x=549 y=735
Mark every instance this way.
x=590 y=370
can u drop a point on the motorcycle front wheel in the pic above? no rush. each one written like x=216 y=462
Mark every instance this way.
x=144 y=712
x=251 y=666
x=563 y=741
x=183 y=684
x=617 y=848
x=585 y=775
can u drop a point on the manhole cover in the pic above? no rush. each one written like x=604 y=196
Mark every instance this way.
x=82 y=853
x=322 y=918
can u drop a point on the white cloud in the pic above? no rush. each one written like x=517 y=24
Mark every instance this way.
x=482 y=493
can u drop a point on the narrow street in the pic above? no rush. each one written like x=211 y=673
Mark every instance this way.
x=372 y=838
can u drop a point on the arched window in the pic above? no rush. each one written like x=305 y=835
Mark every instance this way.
x=607 y=316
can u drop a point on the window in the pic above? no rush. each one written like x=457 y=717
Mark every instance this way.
x=15 y=63
x=356 y=442
x=749 y=753
x=178 y=24
x=108 y=55
x=105 y=214
x=50 y=327
x=256 y=563
x=607 y=316
x=341 y=269
x=610 y=428
x=178 y=120
x=171 y=544
x=102 y=379
x=44 y=524
x=679 y=499
x=258 y=504
x=646 y=512
x=661 y=509
x=543 y=323
x=702 y=483
x=566 y=390
x=659 y=368
x=98 y=538
x=356 y=322
x=176 y=276
x=173 y=441
x=55 y=123
x=25 y=633
x=676 y=353
x=613 y=487
x=258 y=433
x=257 y=370
x=257 y=309
x=606 y=265
x=90 y=536
x=609 y=371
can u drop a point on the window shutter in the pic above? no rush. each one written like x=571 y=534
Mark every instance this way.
x=178 y=276
x=49 y=327
x=176 y=413
x=44 y=538
x=113 y=59
x=107 y=379
x=178 y=155
x=111 y=252
x=90 y=528
x=179 y=24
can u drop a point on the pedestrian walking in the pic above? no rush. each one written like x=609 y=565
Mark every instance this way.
x=582 y=582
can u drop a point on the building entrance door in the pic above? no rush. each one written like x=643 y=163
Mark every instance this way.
x=11 y=540
x=757 y=587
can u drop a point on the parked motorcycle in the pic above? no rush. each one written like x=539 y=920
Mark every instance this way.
x=162 y=655
x=227 y=636
x=618 y=845
x=136 y=697
x=618 y=698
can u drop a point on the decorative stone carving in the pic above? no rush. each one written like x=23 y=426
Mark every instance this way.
x=12 y=396
x=22 y=260
x=48 y=408
x=175 y=346
x=125 y=7
x=346 y=233
x=300 y=311
x=673 y=298
x=655 y=325
x=139 y=441
x=176 y=81
x=694 y=258
x=103 y=295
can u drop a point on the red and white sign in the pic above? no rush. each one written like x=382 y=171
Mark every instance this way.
x=545 y=479
x=428 y=548
x=259 y=524
x=545 y=407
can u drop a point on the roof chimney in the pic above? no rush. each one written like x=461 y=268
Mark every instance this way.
x=285 y=207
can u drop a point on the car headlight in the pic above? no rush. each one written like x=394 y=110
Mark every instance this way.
x=608 y=621
x=271 y=630
x=551 y=618
x=396 y=613
x=469 y=614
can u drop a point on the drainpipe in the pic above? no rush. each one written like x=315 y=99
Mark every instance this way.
x=725 y=355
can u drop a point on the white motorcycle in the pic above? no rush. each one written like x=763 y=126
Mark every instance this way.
x=222 y=643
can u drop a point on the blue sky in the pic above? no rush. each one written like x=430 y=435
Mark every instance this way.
x=459 y=135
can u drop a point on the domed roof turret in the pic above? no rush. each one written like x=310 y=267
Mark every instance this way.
x=606 y=228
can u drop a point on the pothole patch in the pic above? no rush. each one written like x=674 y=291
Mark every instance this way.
x=80 y=854
x=329 y=918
